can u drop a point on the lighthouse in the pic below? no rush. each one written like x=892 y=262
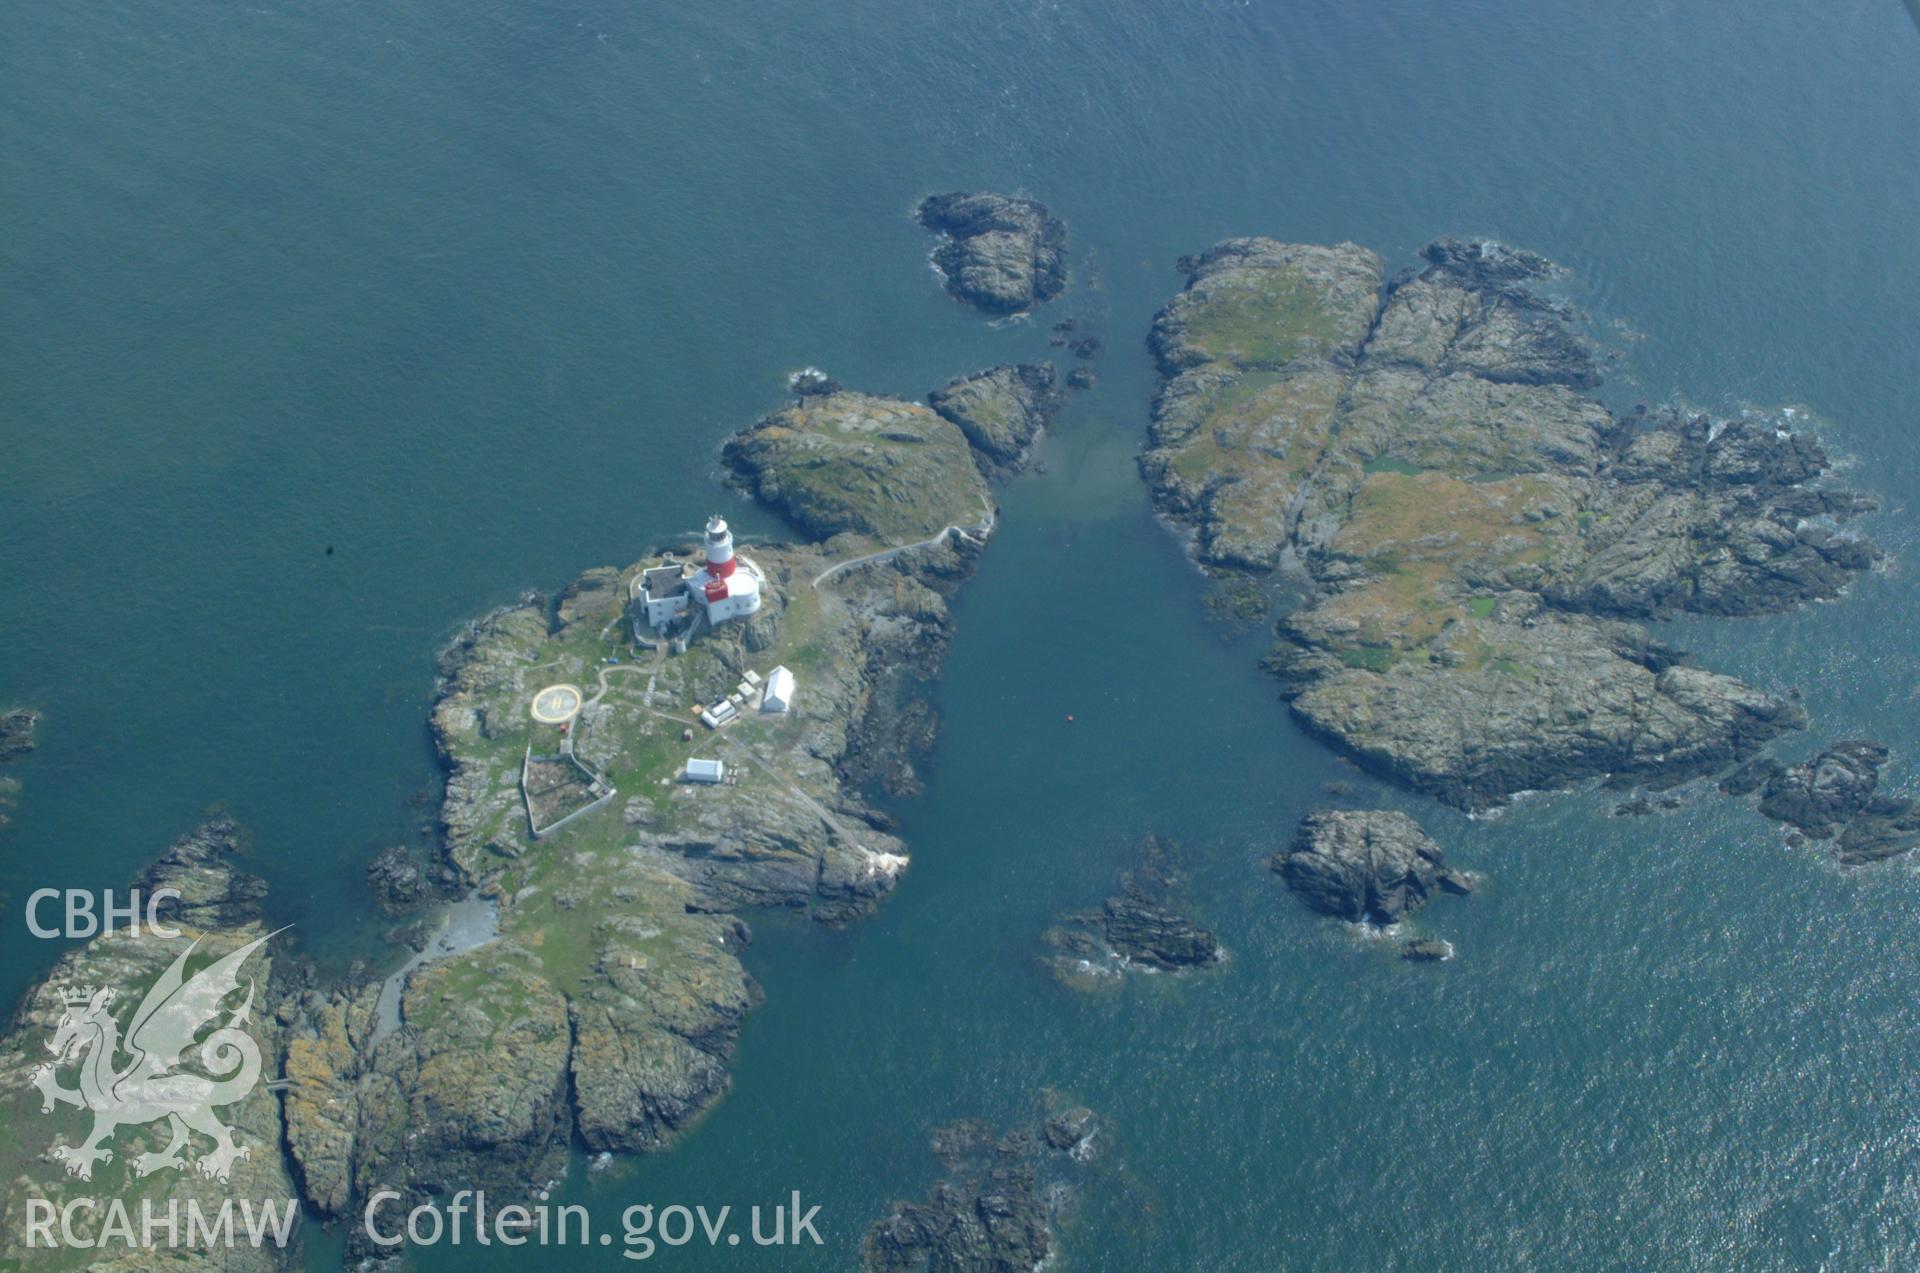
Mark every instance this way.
x=726 y=586
x=720 y=562
x=729 y=585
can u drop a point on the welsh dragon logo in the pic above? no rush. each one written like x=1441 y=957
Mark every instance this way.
x=152 y=1085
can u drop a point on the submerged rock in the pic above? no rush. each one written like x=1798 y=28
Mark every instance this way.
x=1001 y=410
x=1002 y=255
x=1475 y=530
x=17 y=728
x=399 y=880
x=1427 y=950
x=16 y=740
x=1071 y=1128
x=1366 y=866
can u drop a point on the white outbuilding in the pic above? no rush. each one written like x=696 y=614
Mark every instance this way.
x=705 y=771
x=778 y=696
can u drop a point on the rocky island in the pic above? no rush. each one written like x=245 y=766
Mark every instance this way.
x=1476 y=532
x=1140 y=927
x=1834 y=796
x=590 y=988
x=998 y=1205
x=998 y=254
x=608 y=1004
x=1372 y=866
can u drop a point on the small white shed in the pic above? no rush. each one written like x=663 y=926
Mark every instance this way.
x=778 y=696
x=706 y=771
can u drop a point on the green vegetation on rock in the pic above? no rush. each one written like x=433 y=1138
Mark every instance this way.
x=1476 y=530
x=608 y=1002
x=890 y=470
x=221 y=909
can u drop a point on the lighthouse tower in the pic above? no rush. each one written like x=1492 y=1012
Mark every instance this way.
x=720 y=562
x=729 y=586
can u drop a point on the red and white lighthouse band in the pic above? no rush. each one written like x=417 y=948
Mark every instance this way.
x=720 y=562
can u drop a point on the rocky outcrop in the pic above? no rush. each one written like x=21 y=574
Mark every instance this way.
x=1476 y=533
x=221 y=910
x=1835 y=796
x=1139 y=927
x=653 y=1035
x=202 y=868
x=329 y=1041
x=999 y=254
x=811 y=382
x=1001 y=410
x=1528 y=699
x=1371 y=866
x=403 y=881
x=473 y=1092
x=1824 y=793
x=1071 y=1128
x=1821 y=795
x=1887 y=827
x=851 y=462
x=998 y=1205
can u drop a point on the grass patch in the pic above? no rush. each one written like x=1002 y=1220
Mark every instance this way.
x=1368 y=658
x=1280 y=317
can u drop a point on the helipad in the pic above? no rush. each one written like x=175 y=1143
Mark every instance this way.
x=556 y=704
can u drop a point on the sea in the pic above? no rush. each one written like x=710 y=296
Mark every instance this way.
x=326 y=326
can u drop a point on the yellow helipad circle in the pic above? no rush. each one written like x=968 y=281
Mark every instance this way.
x=557 y=704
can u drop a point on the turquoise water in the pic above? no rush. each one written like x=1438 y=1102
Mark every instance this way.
x=472 y=293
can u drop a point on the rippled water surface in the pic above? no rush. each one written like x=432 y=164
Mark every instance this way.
x=471 y=292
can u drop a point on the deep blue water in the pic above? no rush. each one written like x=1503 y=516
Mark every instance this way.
x=283 y=277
